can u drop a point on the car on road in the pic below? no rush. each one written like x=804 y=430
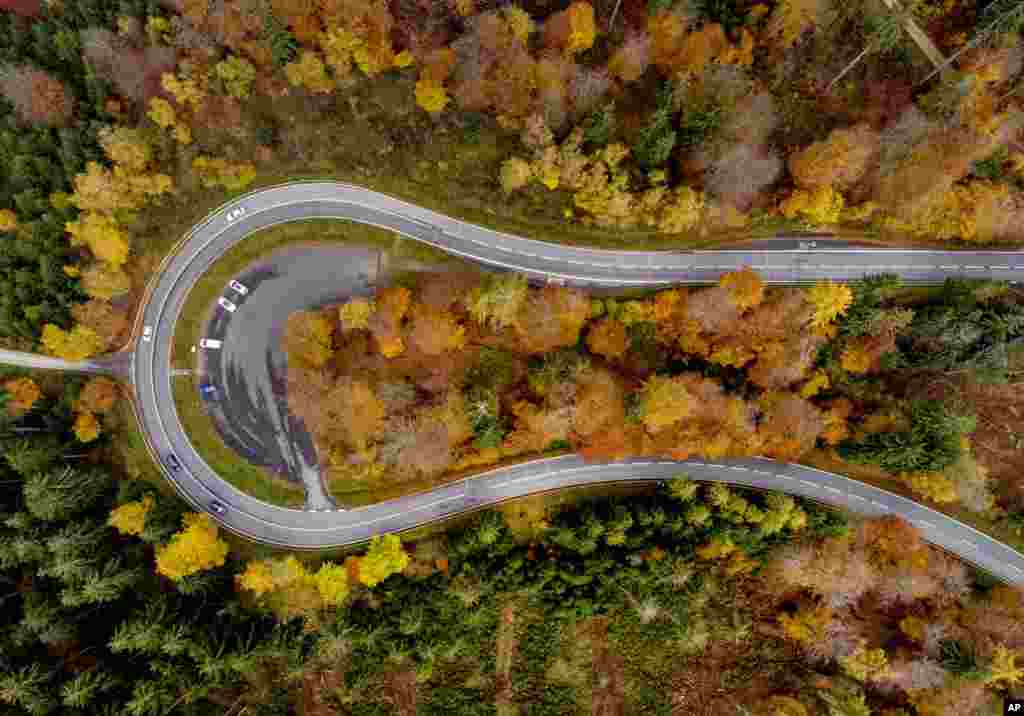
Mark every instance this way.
x=235 y=214
x=211 y=343
x=172 y=462
x=240 y=288
x=226 y=305
x=209 y=391
x=218 y=507
x=147 y=333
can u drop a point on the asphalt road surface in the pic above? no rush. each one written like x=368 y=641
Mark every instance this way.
x=310 y=529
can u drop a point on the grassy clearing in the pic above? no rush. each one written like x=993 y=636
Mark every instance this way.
x=202 y=433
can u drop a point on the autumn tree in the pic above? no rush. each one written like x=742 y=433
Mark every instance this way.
x=8 y=221
x=607 y=337
x=386 y=322
x=550 y=318
x=236 y=74
x=309 y=337
x=86 y=428
x=791 y=18
x=665 y=401
x=745 y=287
x=434 y=332
x=217 y=171
x=130 y=517
x=102 y=234
x=75 y=345
x=98 y=395
x=355 y=314
x=630 y=59
x=498 y=301
x=839 y=161
x=384 y=558
x=21 y=394
x=821 y=206
x=195 y=548
x=309 y=71
x=38 y=97
x=830 y=300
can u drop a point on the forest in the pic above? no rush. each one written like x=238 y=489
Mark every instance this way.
x=688 y=596
x=612 y=122
x=444 y=372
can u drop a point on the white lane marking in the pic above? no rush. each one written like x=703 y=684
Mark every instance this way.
x=808 y=483
x=857 y=497
x=832 y=489
x=414 y=509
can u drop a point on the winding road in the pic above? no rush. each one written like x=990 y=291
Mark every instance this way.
x=150 y=370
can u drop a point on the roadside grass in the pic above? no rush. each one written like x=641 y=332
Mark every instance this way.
x=230 y=466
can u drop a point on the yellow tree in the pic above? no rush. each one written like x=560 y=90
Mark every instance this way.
x=821 y=206
x=310 y=72
x=571 y=30
x=431 y=96
x=105 y=281
x=195 y=548
x=87 y=427
x=786 y=706
x=745 y=287
x=102 y=234
x=355 y=314
x=665 y=401
x=8 y=220
x=236 y=74
x=332 y=584
x=130 y=518
x=216 y=171
x=127 y=148
x=22 y=394
x=77 y=344
x=384 y=558
x=830 y=300
x=1004 y=669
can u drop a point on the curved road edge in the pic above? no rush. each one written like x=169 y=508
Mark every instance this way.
x=261 y=522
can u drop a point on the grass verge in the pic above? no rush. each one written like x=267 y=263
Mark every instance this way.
x=202 y=433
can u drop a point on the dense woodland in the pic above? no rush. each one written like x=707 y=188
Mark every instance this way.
x=684 y=118
x=117 y=600
x=448 y=371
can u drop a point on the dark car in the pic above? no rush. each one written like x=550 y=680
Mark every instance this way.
x=218 y=507
x=172 y=462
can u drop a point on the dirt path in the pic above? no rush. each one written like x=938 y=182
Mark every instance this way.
x=400 y=690
x=609 y=692
x=504 y=698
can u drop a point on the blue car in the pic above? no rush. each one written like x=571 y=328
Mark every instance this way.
x=208 y=391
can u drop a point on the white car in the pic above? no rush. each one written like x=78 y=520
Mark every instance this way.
x=235 y=214
x=226 y=305
x=240 y=288
x=147 y=333
x=210 y=343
